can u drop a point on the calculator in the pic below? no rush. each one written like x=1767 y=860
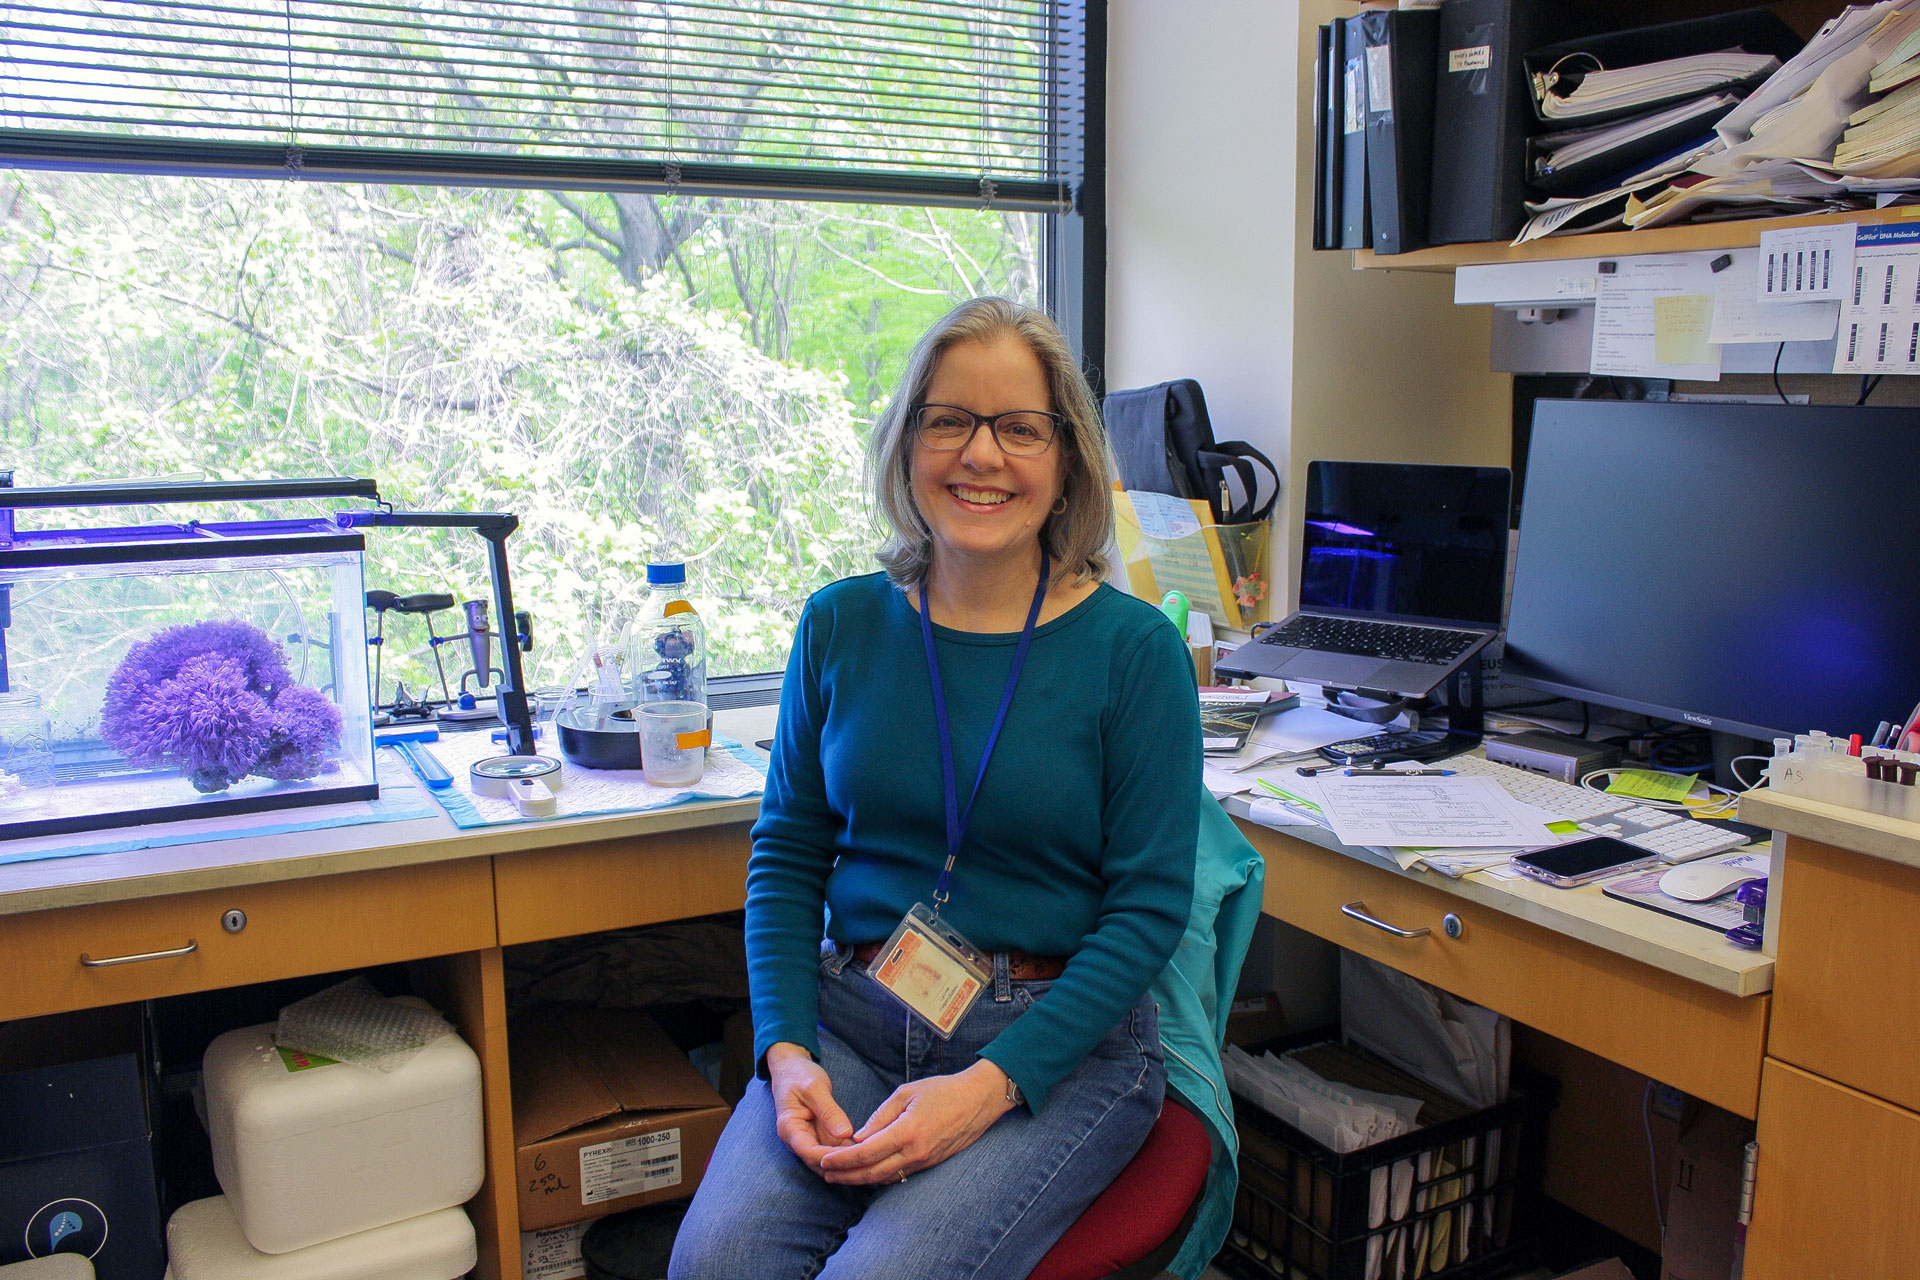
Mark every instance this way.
x=1402 y=745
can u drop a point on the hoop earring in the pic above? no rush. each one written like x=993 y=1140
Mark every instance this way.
x=1059 y=506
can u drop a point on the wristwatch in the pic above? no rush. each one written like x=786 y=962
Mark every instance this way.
x=1015 y=1098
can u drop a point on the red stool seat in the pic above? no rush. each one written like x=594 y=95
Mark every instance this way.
x=1143 y=1210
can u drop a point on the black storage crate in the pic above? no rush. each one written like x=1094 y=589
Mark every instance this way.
x=1304 y=1211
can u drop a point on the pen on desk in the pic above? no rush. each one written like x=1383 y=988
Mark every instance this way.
x=1399 y=773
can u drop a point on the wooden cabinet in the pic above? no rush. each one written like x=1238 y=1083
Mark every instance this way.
x=115 y=952
x=1837 y=1186
x=613 y=884
x=1847 y=990
x=1837 y=1192
x=1706 y=1042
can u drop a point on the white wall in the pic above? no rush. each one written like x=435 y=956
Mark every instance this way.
x=1210 y=275
x=1200 y=205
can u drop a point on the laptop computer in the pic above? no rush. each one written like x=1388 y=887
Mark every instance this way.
x=1403 y=571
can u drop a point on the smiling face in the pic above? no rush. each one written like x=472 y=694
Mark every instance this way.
x=985 y=507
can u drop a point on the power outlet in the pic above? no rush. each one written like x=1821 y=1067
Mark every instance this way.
x=1667 y=1101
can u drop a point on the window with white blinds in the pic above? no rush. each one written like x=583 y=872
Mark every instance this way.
x=908 y=101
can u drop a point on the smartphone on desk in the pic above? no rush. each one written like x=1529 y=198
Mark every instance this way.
x=1578 y=862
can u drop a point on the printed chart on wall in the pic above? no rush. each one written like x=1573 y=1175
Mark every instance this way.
x=1880 y=314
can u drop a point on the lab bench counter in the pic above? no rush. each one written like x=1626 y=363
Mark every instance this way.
x=233 y=863
x=1890 y=839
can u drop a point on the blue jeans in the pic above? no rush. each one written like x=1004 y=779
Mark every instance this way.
x=990 y=1212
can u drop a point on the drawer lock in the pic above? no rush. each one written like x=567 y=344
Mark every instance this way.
x=236 y=920
x=1451 y=923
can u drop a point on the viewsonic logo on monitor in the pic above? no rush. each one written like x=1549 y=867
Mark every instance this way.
x=1691 y=718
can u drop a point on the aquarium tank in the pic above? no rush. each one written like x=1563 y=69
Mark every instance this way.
x=155 y=672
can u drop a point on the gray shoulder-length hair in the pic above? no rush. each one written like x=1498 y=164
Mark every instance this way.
x=1076 y=537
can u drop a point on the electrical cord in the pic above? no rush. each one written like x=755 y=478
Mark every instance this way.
x=1778 y=352
x=1653 y=1165
x=1733 y=766
x=1678 y=806
x=1867 y=387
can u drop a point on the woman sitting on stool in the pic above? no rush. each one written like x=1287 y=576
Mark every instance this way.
x=987 y=770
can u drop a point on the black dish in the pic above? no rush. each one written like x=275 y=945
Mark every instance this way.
x=595 y=741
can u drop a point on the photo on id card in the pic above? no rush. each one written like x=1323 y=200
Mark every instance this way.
x=931 y=969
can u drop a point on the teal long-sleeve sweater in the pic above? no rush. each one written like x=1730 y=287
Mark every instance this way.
x=1082 y=839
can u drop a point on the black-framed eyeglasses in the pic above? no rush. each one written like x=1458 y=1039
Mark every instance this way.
x=1021 y=433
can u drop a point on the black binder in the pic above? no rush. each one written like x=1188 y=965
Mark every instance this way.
x=1356 y=229
x=1483 y=114
x=1325 y=131
x=1401 y=50
x=1750 y=30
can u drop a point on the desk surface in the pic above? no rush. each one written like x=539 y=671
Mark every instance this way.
x=1675 y=946
x=225 y=864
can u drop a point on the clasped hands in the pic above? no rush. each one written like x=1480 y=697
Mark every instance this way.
x=920 y=1124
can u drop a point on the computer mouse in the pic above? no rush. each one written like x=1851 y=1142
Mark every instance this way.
x=1711 y=877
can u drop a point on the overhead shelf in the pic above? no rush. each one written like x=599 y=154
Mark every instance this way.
x=1741 y=234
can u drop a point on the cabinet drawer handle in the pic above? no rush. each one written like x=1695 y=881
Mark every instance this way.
x=192 y=946
x=1358 y=911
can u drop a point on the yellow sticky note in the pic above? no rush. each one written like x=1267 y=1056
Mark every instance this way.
x=1648 y=785
x=1681 y=323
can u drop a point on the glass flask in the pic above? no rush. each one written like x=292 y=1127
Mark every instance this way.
x=666 y=643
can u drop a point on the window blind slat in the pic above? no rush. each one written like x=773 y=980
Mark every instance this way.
x=274 y=71
x=941 y=92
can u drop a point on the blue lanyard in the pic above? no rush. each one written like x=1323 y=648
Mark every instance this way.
x=957 y=819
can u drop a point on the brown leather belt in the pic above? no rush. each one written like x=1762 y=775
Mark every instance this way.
x=1021 y=967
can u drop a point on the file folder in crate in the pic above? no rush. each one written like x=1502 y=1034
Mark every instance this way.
x=1173 y=544
x=1455 y=1198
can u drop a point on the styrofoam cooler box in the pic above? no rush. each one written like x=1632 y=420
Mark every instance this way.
x=56 y=1266
x=204 y=1243
x=309 y=1150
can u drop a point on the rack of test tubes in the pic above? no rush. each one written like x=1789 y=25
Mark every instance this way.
x=1835 y=770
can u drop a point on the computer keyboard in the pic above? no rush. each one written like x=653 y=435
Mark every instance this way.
x=1675 y=837
x=1364 y=637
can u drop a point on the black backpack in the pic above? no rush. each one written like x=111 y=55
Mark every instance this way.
x=1163 y=442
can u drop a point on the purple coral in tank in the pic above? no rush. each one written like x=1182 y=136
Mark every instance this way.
x=306 y=730
x=205 y=698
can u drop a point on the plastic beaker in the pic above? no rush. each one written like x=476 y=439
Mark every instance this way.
x=673 y=742
x=548 y=699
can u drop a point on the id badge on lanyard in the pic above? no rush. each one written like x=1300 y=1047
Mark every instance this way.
x=927 y=965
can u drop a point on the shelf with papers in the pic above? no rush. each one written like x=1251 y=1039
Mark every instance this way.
x=1741 y=234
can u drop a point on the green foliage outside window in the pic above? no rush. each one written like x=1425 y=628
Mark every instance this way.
x=635 y=377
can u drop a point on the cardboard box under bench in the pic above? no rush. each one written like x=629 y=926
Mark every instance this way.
x=608 y=1115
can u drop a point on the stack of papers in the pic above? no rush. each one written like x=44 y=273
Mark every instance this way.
x=1597 y=92
x=1341 y=1118
x=1800 y=113
x=1563 y=150
x=1882 y=139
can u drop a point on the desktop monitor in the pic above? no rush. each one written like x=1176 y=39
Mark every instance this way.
x=1743 y=568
